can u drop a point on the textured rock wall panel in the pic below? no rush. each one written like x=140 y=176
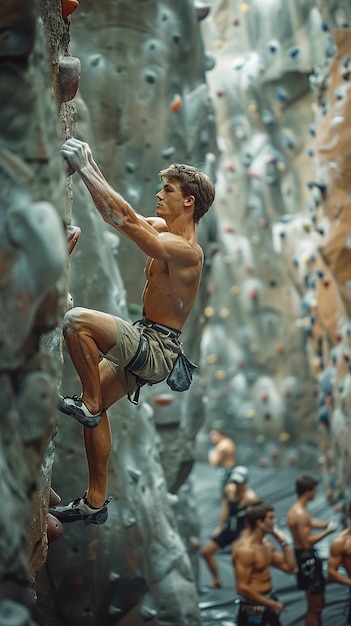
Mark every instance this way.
x=331 y=216
x=32 y=300
x=280 y=385
x=260 y=383
x=142 y=103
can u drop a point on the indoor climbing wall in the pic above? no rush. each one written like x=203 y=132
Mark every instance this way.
x=142 y=103
x=32 y=301
x=256 y=94
x=330 y=214
x=276 y=349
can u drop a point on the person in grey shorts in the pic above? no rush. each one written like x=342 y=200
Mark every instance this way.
x=143 y=353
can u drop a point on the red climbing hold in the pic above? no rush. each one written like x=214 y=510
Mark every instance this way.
x=68 y=6
x=176 y=103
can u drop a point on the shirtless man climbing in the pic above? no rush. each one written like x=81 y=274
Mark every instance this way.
x=150 y=347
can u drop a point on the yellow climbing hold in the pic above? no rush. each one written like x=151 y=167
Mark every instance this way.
x=212 y=358
x=244 y=7
x=224 y=313
x=235 y=290
x=220 y=374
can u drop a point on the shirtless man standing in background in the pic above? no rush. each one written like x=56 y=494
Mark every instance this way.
x=237 y=497
x=222 y=455
x=310 y=575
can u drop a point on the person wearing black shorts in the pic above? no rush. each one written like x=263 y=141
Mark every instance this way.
x=237 y=496
x=310 y=575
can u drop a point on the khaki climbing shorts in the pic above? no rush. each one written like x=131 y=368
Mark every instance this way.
x=162 y=354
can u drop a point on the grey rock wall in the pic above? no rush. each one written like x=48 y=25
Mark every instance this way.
x=259 y=382
x=276 y=346
x=32 y=301
x=142 y=103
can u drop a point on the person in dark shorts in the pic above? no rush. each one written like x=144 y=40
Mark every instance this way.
x=310 y=576
x=253 y=555
x=340 y=557
x=238 y=495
